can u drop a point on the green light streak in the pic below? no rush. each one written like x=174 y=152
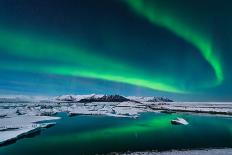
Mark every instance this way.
x=141 y=126
x=167 y=20
x=75 y=61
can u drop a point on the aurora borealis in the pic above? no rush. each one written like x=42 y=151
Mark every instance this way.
x=132 y=47
x=170 y=22
x=21 y=45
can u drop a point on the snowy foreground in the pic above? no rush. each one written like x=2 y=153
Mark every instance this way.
x=15 y=127
x=189 y=152
x=20 y=115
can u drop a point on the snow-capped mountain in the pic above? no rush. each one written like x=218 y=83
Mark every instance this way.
x=92 y=98
x=105 y=98
x=80 y=98
x=109 y=98
x=77 y=98
x=149 y=99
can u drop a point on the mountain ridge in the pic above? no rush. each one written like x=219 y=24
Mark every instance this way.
x=81 y=98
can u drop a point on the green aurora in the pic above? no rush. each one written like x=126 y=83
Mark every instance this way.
x=158 y=124
x=151 y=125
x=74 y=63
x=130 y=47
x=151 y=12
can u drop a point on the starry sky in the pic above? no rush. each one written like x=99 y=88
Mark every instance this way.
x=174 y=48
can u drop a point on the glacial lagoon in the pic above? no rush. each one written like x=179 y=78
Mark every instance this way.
x=91 y=134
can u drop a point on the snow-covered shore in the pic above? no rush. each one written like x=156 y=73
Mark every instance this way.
x=20 y=118
x=15 y=127
x=226 y=151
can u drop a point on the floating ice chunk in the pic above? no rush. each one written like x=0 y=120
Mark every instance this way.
x=179 y=121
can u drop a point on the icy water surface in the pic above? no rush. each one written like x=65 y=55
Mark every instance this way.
x=102 y=134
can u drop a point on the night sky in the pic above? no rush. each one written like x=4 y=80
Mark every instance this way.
x=174 y=48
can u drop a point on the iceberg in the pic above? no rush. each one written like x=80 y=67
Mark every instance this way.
x=179 y=121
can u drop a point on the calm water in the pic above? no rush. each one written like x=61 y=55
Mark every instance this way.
x=101 y=134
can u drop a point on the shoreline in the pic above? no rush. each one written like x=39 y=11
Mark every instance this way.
x=216 y=151
x=18 y=120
